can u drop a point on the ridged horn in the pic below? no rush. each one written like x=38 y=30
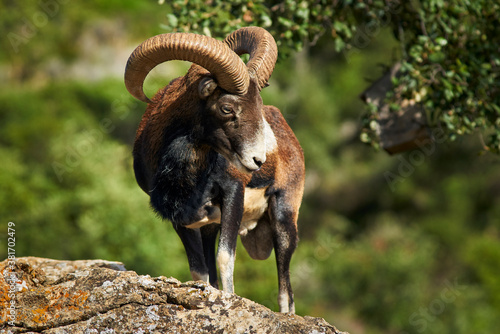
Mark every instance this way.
x=262 y=48
x=215 y=56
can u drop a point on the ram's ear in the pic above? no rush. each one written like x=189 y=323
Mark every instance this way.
x=206 y=87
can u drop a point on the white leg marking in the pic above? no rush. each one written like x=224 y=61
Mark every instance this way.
x=225 y=261
x=283 y=302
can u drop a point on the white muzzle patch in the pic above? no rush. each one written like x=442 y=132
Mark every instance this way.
x=254 y=154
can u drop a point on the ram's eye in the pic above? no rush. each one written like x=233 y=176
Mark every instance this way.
x=225 y=109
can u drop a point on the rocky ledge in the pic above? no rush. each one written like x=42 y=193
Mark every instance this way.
x=94 y=296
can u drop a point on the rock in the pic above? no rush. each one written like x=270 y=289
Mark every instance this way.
x=96 y=296
x=402 y=130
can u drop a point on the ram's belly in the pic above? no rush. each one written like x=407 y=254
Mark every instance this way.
x=255 y=205
x=209 y=213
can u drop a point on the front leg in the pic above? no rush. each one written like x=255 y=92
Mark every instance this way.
x=193 y=245
x=232 y=213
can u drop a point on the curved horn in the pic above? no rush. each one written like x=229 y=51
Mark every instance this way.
x=215 y=56
x=262 y=48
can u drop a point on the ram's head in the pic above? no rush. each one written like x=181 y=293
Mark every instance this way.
x=232 y=117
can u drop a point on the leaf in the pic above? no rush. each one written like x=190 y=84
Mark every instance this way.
x=437 y=57
x=365 y=138
x=486 y=66
x=285 y=22
x=266 y=21
x=441 y=41
x=207 y=32
x=339 y=44
x=172 y=20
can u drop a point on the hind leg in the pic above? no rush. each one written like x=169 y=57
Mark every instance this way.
x=209 y=238
x=285 y=238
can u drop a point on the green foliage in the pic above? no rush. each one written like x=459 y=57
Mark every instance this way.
x=67 y=180
x=32 y=30
x=381 y=276
x=449 y=49
x=452 y=65
x=289 y=20
x=483 y=255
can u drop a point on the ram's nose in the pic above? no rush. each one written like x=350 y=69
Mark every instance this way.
x=252 y=163
x=254 y=150
x=259 y=161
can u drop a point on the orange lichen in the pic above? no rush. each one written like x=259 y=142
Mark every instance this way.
x=60 y=301
x=40 y=315
x=4 y=297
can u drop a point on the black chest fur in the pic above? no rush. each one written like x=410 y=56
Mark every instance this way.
x=186 y=179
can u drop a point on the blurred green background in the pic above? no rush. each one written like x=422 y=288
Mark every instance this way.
x=416 y=255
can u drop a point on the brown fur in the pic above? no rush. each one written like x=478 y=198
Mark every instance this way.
x=179 y=98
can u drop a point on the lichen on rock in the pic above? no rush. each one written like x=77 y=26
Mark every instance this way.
x=96 y=296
